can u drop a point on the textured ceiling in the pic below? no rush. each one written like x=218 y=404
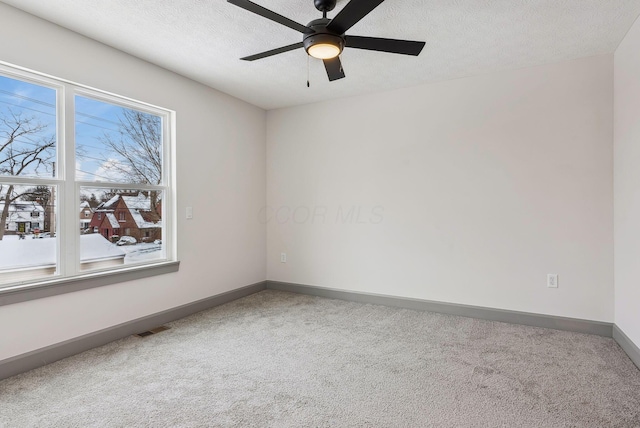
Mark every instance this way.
x=204 y=39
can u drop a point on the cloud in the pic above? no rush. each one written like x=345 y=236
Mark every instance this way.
x=112 y=170
x=80 y=174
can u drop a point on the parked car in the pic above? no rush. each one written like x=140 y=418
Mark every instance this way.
x=41 y=235
x=126 y=240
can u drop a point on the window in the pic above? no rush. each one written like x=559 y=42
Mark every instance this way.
x=115 y=155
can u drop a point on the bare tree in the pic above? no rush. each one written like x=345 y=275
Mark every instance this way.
x=24 y=149
x=138 y=147
x=92 y=200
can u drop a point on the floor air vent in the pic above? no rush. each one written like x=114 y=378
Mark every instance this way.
x=152 y=331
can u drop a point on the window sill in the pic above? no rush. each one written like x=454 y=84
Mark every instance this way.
x=38 y=290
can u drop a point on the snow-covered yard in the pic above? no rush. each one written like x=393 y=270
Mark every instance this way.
x=33 y=252
x=141 y=252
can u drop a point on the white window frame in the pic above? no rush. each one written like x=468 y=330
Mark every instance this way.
x=69 y=275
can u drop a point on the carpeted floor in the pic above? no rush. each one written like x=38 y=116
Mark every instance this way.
x=278 y=359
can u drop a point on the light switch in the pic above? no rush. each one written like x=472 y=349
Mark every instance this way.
x=189 y=213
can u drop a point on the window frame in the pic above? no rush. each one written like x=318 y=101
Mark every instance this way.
x=69 y=275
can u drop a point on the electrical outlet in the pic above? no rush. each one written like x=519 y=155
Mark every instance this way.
x=283 y=257
x=552 y=280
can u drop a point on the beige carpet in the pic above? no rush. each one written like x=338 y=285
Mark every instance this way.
x=277 y=359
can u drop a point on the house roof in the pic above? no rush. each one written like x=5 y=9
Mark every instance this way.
x=142 y=223
x=109 y=205
x=138 y=202
x=113 y=221
x=23 y=206
x=20 y=211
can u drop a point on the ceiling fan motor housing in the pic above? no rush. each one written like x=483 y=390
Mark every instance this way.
x=320 y=35
x=324 y=5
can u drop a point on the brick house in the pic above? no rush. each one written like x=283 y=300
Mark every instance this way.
x=127 y=215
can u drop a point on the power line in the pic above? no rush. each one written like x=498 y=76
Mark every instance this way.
x=27 y=108
x=83 y=157
x=77 y=121
x=24 y=97
x=95 y=175
x=31 y=143
x=44 y=103
x=91 y=158
x=96 y=126
x=78 y=113
x=79 y=156
x=79 y=145
x=97 y=118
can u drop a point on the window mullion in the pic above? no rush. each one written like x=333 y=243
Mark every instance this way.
x=69 y=236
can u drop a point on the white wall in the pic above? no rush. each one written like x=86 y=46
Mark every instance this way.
x=467 y=191
x=627 y=184
x=470 y=191
x=220 y=164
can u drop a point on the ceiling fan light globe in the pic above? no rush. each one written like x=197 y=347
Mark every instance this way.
x=324 y=51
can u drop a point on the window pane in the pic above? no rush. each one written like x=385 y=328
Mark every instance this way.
x=27 y=232
x=27 y=129
x=125 y=227
x=117 y=144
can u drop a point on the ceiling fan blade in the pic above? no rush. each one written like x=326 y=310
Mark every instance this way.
x=334 y=68
x=266 y=13
x=273 y=52
x=405 y=47
x=353 y=12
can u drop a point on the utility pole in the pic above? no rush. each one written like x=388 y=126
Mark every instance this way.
x=52 y=205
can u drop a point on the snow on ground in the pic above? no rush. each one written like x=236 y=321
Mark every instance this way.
x=16 y=253
x=94 y=247
x=141 y=252
x=24 y=253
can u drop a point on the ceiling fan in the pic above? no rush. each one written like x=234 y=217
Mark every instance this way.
x=325 y=38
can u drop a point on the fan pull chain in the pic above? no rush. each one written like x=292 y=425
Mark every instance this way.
x=308 y=85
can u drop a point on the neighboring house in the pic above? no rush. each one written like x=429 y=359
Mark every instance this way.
x=86 y=213
x=127 y=215
x=23 y=217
